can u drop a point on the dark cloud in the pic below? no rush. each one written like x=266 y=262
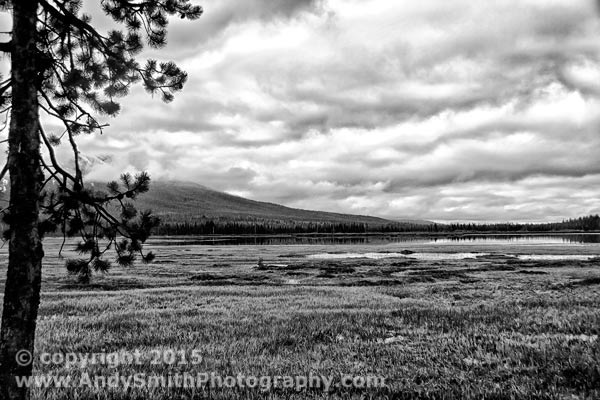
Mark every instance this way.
x=455 y=110
x=221 y=15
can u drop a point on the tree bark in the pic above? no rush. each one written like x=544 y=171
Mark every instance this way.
x=22 y=290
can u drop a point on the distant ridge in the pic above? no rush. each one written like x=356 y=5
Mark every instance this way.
x=185 y=202
x=176 y=201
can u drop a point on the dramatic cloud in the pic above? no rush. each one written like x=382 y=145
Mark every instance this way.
x=445 y=110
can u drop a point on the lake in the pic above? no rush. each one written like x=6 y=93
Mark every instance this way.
x=499 y=240
x=579 y=247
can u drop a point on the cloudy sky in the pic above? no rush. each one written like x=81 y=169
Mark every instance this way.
x=445 y=110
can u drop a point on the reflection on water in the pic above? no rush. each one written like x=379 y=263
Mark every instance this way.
x=536 y=240
x=447 y=256
x=379 y=256
x=554 y=257
x=522 y=239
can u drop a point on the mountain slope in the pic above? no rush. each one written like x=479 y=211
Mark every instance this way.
x=184 y=201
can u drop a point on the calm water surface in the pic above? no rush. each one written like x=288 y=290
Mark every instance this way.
x=524 y=247
x=475 y=240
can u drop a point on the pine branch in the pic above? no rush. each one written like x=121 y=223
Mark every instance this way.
x=69 y=19
x=78 y=174
x=55 y=163
x=81 y=71
x=4 y=170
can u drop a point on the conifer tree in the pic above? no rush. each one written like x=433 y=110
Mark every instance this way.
x=62 y=66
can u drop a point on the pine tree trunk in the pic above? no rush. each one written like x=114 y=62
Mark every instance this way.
x=22 y=290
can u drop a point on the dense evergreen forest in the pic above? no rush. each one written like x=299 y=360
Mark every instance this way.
x=263 y=226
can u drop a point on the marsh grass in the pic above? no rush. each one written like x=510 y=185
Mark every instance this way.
x=471 y=329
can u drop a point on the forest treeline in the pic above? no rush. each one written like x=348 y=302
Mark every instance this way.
x=253 y=226
x=263 y=227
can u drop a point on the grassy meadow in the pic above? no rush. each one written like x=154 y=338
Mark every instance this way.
x=492 y=327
